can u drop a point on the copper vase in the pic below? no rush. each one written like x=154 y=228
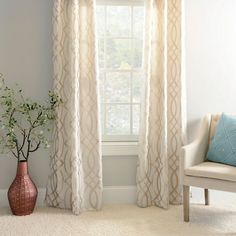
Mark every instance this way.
x=22 y=194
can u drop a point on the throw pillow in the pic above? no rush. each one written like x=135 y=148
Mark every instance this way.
x=223 y=145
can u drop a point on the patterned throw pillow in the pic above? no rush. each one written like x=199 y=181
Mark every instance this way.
x=223 y=146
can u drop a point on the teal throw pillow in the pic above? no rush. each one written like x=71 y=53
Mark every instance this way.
x=223 y=145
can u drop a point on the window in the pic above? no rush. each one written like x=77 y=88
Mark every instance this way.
x=120 y=44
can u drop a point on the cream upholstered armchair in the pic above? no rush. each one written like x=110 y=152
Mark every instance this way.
x=195 y=171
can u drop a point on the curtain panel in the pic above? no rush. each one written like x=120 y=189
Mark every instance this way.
x=75 y=181
x=162 y=121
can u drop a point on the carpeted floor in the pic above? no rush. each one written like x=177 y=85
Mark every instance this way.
x=122 y=220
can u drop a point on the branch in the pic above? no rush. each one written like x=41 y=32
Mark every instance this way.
x=23 y=143
x=37 y=146
x=28 y=140
x=22 y=98
x=28 y=148
x=36 y=126
x=17 y=149
x=23 y=154
x=14 y=154
x=20 y=128
x=12 y=113
x=39 y=114
x=28 y=136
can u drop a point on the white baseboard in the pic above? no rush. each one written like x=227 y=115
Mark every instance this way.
x=128 y=195
x=119 y=194
x=111 y=195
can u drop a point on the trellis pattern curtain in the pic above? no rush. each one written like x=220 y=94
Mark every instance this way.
x=162 y=122
x=75 y=181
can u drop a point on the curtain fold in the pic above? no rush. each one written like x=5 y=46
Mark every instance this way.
x=162 y=124
x=75 y=181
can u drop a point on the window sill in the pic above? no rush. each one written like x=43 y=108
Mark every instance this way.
x=120 y=149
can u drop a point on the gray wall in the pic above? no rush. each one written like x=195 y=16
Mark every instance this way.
x=210 y=58
x=26 y=58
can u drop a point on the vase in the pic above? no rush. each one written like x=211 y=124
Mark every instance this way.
x=22 y=194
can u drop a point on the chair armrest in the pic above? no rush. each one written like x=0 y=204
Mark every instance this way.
x=195 y=152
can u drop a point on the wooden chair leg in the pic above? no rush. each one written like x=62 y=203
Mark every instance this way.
x=186 y=202
x=206 y=194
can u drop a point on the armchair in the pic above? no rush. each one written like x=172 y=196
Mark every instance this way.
x=195 y=171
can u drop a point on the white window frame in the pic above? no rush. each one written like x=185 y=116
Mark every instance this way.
x=121 y=139
x=119 y=149
x=120 y=2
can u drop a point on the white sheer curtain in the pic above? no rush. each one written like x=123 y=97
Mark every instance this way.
x=75 y=181
x=162 y=122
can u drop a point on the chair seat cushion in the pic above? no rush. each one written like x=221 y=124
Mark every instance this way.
x=212 y=170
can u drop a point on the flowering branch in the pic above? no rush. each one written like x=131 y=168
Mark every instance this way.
x=23 y=121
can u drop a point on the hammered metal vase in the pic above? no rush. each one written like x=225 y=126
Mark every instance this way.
x=22 y=194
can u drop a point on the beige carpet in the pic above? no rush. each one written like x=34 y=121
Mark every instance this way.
x=122 y=220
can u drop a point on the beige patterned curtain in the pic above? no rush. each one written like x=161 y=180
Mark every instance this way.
x=162 y=121
x=75 y=181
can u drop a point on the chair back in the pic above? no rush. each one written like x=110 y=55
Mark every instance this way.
x=214 y=121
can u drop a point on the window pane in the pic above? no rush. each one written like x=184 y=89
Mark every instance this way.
x=118 y=21
x=118 y=119
x=138 y=22
x=117 y=87
x=137 y=78
x=136 y=119
x=100 y=20
x=101 y=86
x=119 y=54
x=102 y=118
x=138 y=53
x=101 y=53
x=120 y=44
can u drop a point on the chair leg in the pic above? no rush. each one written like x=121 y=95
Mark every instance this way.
x=206 y=194
x=186 y=202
